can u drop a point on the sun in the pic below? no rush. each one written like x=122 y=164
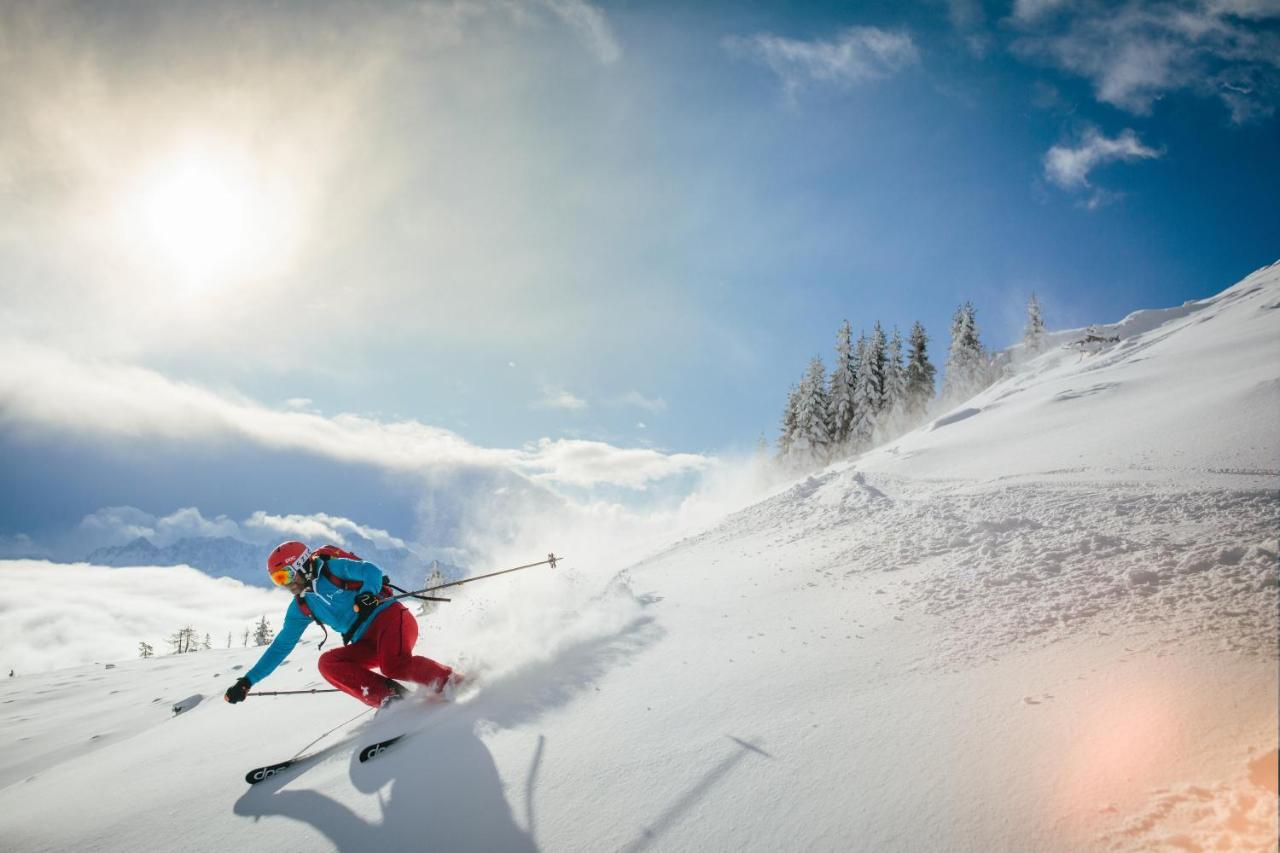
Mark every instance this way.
x=203 y=216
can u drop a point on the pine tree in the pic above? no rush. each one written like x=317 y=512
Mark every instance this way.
x=246 y=638
x=1033 y=335
x=262 y=632
x=879 y=357
x=813 y=433
x=843 y=387
x=967 y=372
x=207 y=644
x=919 y=377
x=145 y=650
x=893 y=419
x=787 y=432
x=868 y=391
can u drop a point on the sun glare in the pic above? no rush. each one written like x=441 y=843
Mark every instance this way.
x=206 y=218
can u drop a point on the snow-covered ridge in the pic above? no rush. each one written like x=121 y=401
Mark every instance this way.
x=1146 y=319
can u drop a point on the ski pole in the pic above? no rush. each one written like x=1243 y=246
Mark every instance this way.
x=551 y=561
x=416 y=595
x=295 y=692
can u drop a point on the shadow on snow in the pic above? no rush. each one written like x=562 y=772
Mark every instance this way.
x=445 y=791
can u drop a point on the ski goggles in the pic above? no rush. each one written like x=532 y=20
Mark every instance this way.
x=284 y=575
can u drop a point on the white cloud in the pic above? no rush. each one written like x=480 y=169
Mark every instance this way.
x=1136 y=53
x=42 y=390
x=855 y=55
x=591 y=25
x=586 y=463
x=1069 y=167
x=188 y=522
x=559 y=398
x=118 y=525
x=319 y=527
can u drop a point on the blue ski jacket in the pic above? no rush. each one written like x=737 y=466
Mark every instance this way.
x=332 y=605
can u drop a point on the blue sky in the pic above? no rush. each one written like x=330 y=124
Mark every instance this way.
x=580 y=249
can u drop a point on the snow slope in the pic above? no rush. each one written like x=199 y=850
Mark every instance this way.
x=1047 y=620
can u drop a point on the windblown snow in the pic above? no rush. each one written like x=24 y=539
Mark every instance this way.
x=1045 y=621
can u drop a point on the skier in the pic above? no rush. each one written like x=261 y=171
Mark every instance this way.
x=339 y=590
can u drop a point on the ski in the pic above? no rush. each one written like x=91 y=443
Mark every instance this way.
x=259 y=774
x=373 y=750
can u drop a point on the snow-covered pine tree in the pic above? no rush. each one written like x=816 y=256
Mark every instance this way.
x=145 y=650
x=866 y=396
x=967 y=372
x=246 y=637
x=919 y=377
x=813 y=432
x=207 y=643
x=787 y=431
x=879 y=356
x=262 y=632
x=843 y=386
x=892 y=421
x=1033 y=335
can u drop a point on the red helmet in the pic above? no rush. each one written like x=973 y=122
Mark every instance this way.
x=287 y=560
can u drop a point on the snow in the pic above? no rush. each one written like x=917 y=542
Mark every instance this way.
x=1045 y=620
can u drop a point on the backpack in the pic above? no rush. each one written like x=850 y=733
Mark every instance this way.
x=323 y=555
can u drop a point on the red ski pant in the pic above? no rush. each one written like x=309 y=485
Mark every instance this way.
x=387 y=645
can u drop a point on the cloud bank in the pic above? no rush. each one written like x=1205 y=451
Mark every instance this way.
x=118 y=525
x=44 y=390
x=102 y=614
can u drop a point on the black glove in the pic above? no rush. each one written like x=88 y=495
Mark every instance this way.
x=365 y=601
x=236 y=692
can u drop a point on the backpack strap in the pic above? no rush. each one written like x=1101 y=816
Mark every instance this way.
x=350 y=585
x=306 y=611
